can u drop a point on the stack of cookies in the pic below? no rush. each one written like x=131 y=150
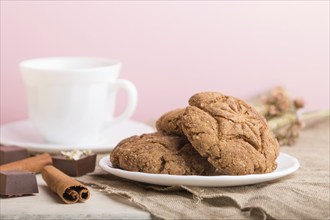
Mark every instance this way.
x=215 y=135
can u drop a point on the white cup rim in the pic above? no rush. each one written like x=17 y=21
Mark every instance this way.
x=58 y=63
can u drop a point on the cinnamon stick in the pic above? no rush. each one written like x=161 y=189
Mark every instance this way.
x=67 y=188
x=32 y=164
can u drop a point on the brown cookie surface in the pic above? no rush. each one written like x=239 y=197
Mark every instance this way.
x=231 y=134
x=160 y=154
x=169 y=123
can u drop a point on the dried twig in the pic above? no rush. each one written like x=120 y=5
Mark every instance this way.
x=282 y=114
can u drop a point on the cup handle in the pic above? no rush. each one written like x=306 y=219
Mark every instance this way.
x=131 y=102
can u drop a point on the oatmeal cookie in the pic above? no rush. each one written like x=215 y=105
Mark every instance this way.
x=169 y=123
x=231 y=134
x=160 y=154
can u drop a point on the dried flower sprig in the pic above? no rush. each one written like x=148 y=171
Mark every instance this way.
x=276 y=102
x=282 y=113
x=286 y=128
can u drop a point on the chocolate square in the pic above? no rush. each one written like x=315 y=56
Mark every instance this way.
x=12 y=153
x=72 y=167
x=17 y=183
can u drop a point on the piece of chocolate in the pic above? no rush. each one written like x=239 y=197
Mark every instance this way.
x=12 y=153
x=17 y=183
x=72 y=167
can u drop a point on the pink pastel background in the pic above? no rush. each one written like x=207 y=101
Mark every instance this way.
x=171 y=50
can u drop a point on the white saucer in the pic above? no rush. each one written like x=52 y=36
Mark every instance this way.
x=23 y=134
x=286 y=165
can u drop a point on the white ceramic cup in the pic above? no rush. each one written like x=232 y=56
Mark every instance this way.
x=71 y=100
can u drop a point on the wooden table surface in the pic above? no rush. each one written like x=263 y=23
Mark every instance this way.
x=47 y=205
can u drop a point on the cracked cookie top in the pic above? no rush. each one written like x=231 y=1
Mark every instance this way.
x=159 y=154
x=231 y=134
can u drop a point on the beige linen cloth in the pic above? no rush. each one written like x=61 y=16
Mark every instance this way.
x=304 y=194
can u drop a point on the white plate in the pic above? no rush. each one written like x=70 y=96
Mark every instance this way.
x=286 y=165
x=23 y=134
